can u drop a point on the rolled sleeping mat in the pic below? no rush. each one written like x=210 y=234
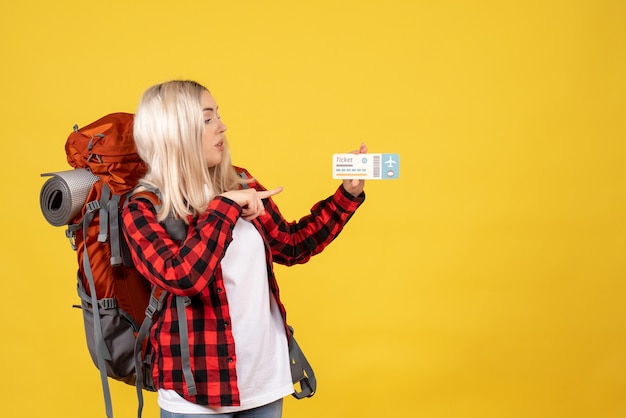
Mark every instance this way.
x=63 y=195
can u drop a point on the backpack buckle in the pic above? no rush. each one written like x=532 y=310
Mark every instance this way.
x=154 y=306
x=108 y=303
x=92 y=206
x=71 y=236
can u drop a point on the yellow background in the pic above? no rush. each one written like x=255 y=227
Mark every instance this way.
x=488 y=281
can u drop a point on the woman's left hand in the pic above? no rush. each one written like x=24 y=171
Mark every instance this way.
x=355 y=186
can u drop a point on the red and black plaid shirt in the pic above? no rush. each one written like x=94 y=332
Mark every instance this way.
x=193 y=269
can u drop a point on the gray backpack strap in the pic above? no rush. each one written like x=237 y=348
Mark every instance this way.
x=181 y=303
x=177 y=231
x=244 y=176
x=70 y=233
x=114 y=224
x=155 y=305
x=301 y=370
x=102 y=352
x=176 y=228
x=104 y=213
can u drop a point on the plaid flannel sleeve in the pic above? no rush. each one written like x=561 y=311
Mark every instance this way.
x=187 y=268
x=296 y=242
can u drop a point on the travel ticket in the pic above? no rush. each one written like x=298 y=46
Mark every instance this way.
x=366 y=166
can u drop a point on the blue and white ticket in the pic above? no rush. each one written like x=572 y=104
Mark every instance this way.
x=366 y=166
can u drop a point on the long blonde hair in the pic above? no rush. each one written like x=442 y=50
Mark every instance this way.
x=168 y=134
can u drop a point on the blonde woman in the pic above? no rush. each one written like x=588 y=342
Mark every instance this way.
x=237 y=334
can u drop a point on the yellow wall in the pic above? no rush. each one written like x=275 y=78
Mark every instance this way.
x=487 y=282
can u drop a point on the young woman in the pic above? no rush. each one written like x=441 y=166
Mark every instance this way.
x=236 y=324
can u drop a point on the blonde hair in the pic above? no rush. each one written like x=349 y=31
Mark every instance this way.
x=168 y=134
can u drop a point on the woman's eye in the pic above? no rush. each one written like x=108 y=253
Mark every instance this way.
x=207 y=121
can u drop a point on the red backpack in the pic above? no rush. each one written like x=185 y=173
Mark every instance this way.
x=106 y=148
x=89 y=200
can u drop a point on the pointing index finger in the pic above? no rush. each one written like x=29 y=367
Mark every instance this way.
x=268 y=193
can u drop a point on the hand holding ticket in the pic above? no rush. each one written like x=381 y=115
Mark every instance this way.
x=366 y=166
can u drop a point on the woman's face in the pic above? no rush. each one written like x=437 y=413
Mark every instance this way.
x=213 y=133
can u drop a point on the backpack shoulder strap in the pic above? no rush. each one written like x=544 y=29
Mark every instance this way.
x=154 y=306
x=301 y=370
x=177 y=230
x=244 y=175
x=102 y=351
x=113 y=208
x=181 y=304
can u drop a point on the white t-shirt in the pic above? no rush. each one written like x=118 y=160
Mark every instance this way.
x=263 y=371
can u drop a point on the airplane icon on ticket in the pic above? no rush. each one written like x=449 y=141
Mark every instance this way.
x=390 y=162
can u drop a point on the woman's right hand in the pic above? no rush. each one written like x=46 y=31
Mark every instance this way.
x=251 y=200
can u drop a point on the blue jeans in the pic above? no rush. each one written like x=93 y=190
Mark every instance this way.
x=271 y=410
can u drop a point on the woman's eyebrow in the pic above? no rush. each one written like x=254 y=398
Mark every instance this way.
x=208 y=109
